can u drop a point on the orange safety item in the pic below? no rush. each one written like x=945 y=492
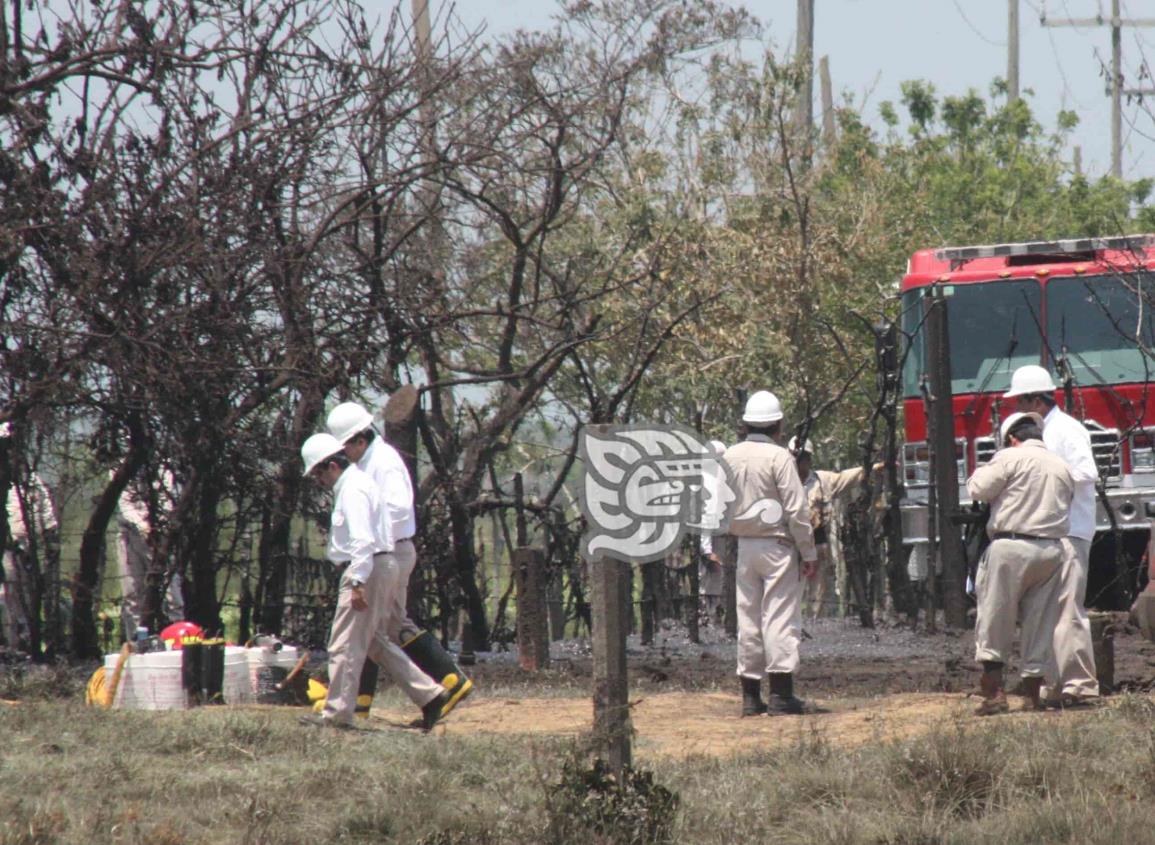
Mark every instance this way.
x=175 y=634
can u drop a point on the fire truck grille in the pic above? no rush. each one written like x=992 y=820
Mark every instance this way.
x=984 y=450
x=1105 y=446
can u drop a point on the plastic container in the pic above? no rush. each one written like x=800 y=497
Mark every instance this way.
x=267 y=669
x=238 y=685
x=149 y=681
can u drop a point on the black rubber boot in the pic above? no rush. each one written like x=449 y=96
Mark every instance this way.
x=432 y=712
x=752 y=704
x=1031 y=690
x=425 y=650
x=782 y=700
x=366 y=689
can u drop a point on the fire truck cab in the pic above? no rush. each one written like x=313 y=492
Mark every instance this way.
x=1084 y=310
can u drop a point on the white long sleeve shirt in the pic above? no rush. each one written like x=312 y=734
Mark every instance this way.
x=359 y=527
x=39 y=502
x=1066 y=437
x=384 y=464
x=132 y=506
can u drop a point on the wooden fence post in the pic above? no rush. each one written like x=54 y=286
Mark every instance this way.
x=611 y=681
x=532 y=616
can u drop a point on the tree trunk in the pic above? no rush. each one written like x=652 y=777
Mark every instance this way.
x=85 y=640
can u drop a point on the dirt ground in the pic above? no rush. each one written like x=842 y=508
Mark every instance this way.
x=863 y=685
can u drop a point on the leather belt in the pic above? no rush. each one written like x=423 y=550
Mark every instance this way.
x=1014 y=535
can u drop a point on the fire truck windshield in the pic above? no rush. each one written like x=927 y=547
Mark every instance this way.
x=993 y=326
x=1098 y=322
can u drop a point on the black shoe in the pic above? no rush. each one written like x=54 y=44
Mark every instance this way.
x=782 y=698
x=752 y=704
x=432 y=712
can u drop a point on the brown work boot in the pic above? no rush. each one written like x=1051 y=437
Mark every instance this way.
x=1031 y=692
x=994 y=698
x=752 y=704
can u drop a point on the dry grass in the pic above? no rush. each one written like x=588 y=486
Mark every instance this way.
x=73 y=774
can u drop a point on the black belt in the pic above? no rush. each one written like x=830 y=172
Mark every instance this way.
x=1014 y=535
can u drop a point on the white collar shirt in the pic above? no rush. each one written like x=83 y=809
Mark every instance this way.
x=358 y=528
x=384 y=464
x=1066 y=437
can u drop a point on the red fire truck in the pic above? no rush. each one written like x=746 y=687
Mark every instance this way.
x=1084 y=310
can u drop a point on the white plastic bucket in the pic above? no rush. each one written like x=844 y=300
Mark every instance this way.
x=238 y=684
x=267 y=669
x=149 y=681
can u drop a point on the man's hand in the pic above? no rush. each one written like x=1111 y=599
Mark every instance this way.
x=809 y=568
x=358 y=600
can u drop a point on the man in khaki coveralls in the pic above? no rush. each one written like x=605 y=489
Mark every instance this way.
x=1029 y=490
x=824 y=488
x=360 y=541
x=772 y=524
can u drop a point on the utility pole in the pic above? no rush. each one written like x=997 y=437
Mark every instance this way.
x=829 y=132
x=1012 y=50
x=1117 y=23
x=805 y=53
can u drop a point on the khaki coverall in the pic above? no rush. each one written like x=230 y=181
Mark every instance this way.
x=823 y=489
x=1029 y=490
x=772 y=524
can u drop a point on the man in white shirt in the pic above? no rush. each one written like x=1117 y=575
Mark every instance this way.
x=1071 y=678
x=360 y=540
x=352 y=425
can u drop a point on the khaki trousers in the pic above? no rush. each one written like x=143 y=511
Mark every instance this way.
x=133 y=558
x=357 y=634
x=769 y=588
x=1019 y=580
x=1073 y=665
x=13 y=592
x=814 y=589
x=405 y=554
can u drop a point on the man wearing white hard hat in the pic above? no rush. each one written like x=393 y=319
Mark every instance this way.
x=352 y=425
x=711 y=570
x=1071 y=678
x=1029 y=490
x=824 y=489
x=775 y=549
x=360 y=539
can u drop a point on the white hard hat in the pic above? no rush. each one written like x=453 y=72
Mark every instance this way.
x=347 y=420
x=1030 y=379
x=762 y=407
x=718 y=446
x=1016 y=417
x=807 y=447
x=317 y=448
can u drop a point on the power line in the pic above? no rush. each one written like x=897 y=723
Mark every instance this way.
x=974 y=28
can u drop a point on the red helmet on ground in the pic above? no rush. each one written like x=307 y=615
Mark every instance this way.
x=176 y=633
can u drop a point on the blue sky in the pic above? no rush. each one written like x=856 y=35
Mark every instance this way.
x=874 y=45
